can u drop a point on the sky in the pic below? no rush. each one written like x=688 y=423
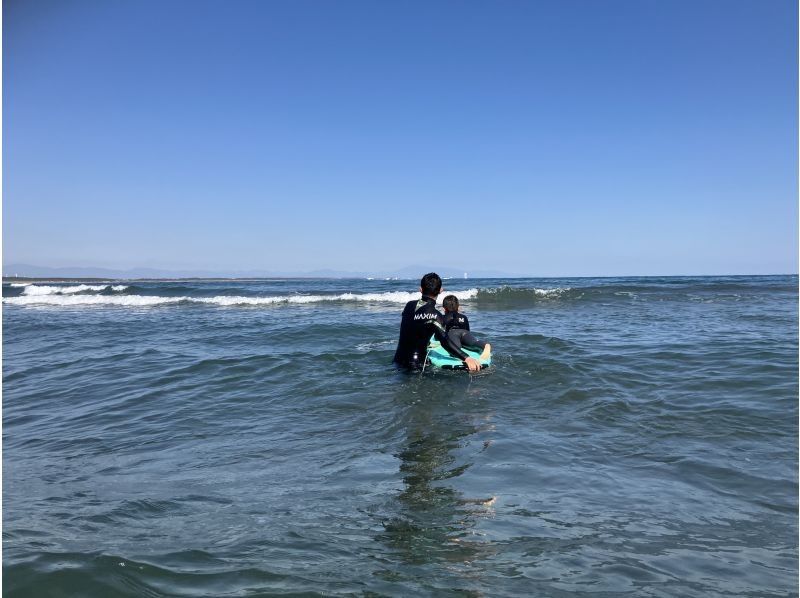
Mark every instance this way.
x=544 y=138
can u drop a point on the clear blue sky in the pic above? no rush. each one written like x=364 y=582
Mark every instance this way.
x=552 y=137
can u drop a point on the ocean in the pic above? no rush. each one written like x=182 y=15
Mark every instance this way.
x=633 y=437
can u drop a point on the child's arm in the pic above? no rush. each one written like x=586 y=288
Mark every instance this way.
x=441 y=336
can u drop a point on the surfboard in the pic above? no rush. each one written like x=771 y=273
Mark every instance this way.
x=440 y=358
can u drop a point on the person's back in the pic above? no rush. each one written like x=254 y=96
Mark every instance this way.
x=455 y=319
x=457 y=327
x=415 y=331
x=420 y=321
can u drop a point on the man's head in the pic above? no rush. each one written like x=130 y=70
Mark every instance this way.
x=450 y=303
x=431 y=285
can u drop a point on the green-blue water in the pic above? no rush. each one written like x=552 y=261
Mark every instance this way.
x=635 y=436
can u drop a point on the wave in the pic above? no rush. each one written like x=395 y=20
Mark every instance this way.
x=510 y=297
x=506 y=290
x=492 y=298
x=74 y=299
x=43 y=290
x=88 y=300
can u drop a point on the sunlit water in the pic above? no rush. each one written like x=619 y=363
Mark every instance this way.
x=634 y=437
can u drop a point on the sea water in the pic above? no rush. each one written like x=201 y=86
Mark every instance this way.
x=635 y=436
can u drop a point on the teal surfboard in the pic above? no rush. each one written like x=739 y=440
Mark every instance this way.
x=440 y=358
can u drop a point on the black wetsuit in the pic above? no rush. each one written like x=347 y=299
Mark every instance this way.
x=456 y=325
x=420 y=321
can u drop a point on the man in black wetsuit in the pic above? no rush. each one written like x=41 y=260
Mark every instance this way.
x=420 y=321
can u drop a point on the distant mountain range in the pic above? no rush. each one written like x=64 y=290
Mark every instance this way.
x=409 y=272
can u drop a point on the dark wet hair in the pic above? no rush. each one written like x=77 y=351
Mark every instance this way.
x=450 y=303
x=431 y=284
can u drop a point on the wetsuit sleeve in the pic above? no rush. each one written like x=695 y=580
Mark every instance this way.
x=466 y=323
x=441 y=336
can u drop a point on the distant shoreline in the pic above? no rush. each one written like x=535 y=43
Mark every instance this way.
x=96 y=279
x=13 y=279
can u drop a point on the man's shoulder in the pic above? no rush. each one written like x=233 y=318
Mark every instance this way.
x=411 y=307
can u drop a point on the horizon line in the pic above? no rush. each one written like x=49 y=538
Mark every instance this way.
x=379 y=278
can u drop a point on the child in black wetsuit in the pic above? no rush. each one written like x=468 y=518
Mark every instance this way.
x=456 y=326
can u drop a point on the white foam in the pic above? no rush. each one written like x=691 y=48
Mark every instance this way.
x=225 y=300
x=83 y=300
x=39 y=290
x=387 y=297
x=54 y=290
x=73 y=299
x=555 y=292
x=551 y=292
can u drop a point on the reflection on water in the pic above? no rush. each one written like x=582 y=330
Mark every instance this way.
x=434 y=521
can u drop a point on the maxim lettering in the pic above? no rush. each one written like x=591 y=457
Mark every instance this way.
x=425 y=316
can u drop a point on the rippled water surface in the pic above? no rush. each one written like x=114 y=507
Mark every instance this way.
x=634 y=436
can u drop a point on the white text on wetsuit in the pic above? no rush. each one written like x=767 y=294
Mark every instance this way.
x=425 y=316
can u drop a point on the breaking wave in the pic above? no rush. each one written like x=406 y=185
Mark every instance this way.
x=73 y=298
x=511 y=297
x=504 y=297
x=43 y=290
